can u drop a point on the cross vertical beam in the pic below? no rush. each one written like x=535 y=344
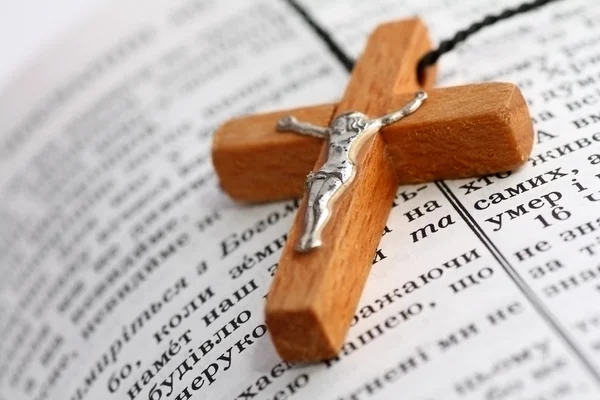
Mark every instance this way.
x=314 y=294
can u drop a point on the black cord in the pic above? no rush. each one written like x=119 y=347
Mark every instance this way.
x=346 y=61
x=432 y=57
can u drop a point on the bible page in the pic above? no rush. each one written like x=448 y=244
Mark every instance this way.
x=126 y=273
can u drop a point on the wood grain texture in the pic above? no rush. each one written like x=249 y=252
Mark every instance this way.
x=460 y=132
x=255 y=163
x=387 y=66
x=314 y=295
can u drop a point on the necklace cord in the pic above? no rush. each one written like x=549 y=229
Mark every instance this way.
x=445 y=46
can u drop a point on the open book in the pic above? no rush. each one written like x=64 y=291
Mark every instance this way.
x=125 y=273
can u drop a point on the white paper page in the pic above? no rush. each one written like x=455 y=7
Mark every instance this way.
x=28 y=27
x=119 y=255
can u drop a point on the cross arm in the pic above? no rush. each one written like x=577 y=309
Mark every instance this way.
x=256 y=163
x=460 y=132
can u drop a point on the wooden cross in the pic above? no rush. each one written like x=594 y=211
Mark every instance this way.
x=458 y=132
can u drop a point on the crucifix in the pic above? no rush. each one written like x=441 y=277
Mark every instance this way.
x=388 y=129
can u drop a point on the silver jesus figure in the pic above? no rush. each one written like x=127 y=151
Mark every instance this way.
x=346 y=134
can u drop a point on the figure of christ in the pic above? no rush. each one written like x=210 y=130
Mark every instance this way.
x=346 y=134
